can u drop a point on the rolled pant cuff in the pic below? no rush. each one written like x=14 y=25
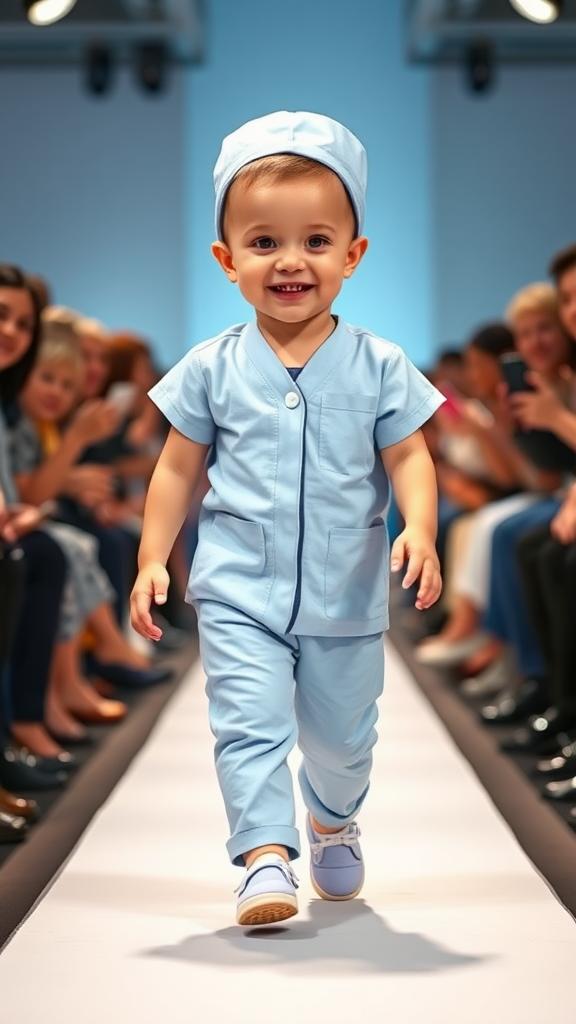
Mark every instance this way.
x=264 y=835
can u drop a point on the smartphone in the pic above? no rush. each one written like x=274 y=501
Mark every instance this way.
x=121 y=395
x=514 y=371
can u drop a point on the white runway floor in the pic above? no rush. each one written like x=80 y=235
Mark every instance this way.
x=455 y=925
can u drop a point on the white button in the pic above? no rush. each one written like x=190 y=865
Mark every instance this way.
x=292 y=400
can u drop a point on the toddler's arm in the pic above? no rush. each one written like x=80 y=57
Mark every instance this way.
x=413 y=479
x=169 y=496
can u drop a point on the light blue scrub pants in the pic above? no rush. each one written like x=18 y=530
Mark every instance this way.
x=269 y=691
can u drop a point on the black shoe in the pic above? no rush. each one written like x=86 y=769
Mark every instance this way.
x=572 y=817
x=543 y=734
x=511 y=708
x=62 y=762
x=562 y=764
x=124 y=675
x=19 y=776
x=12 y=829
x=562 y=790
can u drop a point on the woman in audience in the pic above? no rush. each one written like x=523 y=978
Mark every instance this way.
x=546 y=348
x=43 y=561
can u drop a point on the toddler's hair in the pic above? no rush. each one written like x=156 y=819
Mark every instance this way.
x=269 y=170
x=535 y=298
x=281 y=167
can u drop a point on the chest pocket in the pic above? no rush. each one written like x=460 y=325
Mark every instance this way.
x=346 y=439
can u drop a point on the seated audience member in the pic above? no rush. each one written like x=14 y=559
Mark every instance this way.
x=41 y=459
x=546 y=349
x=43 y=562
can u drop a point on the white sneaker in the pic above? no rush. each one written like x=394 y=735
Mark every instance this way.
x=267 y=893
x=443 y=654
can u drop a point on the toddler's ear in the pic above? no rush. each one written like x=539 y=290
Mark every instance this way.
x=355 y=254
x=222 y=253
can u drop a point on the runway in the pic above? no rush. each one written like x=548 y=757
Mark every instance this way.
x=455 y=924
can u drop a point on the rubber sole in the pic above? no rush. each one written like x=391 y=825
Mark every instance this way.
x=267 y=908
x=338 y=899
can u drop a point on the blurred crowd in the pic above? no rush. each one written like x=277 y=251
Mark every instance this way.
x=504 y=444
x=78 y=442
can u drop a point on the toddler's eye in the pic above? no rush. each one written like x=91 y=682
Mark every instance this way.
x=316 y=242
x=265 y=243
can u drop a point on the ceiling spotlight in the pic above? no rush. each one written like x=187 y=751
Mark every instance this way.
x=46 y=12
x=479 y=66
x=541 y=11
x=151 y=62
x=98 y=70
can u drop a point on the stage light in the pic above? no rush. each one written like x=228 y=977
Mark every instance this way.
x=541 y=11
x=46 y=12
x=151 y=63
x=98 y=70
x=479 y=67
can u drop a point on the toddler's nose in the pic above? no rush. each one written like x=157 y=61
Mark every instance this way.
x=290 y=260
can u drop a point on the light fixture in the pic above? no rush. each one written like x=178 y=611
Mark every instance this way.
x=479 y=66
x=98 y=70
x=151 y=66
x=541 y=11
x=46 y=12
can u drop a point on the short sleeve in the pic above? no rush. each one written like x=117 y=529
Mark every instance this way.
x=182 y=396
x=407 y=401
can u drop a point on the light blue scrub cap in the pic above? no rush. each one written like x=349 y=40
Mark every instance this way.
x=312 y=135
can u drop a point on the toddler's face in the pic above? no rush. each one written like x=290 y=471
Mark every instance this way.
x=541 y=341
x=290 y=244
x=50 y=392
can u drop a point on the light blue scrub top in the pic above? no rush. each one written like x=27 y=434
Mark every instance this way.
x=292 y=531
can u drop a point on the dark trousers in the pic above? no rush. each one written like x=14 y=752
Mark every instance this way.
x=548 y=570
x=11 y=592
x=36 y=627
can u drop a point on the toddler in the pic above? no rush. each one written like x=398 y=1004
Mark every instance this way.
x=303 y=420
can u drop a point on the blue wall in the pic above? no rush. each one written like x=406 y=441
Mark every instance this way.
x=504 y=189
x=91 y=196
x=112 y=198
x=345 y=61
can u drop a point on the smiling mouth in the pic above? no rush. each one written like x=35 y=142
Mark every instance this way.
x=290 y=289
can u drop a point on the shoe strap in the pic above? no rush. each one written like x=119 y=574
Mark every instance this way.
x=269 y=861
x=347 y=837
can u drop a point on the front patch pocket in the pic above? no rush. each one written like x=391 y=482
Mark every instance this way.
x=356 y=574
x=230 y=562
x=346 y=441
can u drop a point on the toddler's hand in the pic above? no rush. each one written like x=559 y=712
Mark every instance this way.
x=151 y=587
x=417 y=548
